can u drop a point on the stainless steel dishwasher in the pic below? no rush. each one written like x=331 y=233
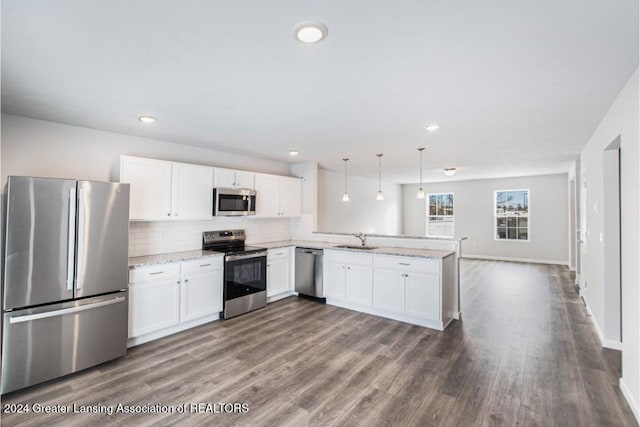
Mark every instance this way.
x=309 y=272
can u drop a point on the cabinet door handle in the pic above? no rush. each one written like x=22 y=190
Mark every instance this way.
x=348 y=268
x=281 y=253
x=178 y=282
x=169 y=214
x=404 y=263
x=186 y=280
x=205 y=265
x=156 y=272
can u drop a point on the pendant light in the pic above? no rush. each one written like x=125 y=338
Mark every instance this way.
x=421 y=194
x=379 y=195
x=345 y=196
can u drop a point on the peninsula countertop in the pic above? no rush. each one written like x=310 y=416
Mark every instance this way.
x=380 y=250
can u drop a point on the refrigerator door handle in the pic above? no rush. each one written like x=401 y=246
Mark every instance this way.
x=81 y=224
x=71 y=238
x=30 y=317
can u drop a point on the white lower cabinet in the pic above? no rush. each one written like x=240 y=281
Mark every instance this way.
x=388 y=290
x=166 y=298
x=279 y=280
x=334 y=280
x=359 y=281
x=422 y=295
x=201 y=295
x=153 y=305
x=402 y=288
x=348 y=277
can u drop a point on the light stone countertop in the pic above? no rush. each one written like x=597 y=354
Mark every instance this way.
x=394 y=236
x=141 y=261
x=380 y=250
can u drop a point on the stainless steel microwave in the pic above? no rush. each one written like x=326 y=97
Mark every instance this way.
x=234 y=201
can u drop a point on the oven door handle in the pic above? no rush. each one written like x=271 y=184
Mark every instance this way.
x=247 y=256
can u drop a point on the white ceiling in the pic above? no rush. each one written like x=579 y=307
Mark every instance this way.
x=517 y=86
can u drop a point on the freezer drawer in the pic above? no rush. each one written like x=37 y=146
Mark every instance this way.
x=44 y=343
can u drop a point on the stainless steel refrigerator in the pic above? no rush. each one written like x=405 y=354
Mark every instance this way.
x=64 y=296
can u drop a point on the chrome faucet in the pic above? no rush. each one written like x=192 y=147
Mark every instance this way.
x=362 y=237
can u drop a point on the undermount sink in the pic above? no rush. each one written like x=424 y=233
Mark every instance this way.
x=366 y=248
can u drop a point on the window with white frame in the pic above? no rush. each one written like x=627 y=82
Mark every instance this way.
x=440 y=215
x=511 y=220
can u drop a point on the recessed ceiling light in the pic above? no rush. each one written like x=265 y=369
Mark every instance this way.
x=293 y=152
x=450 y=171
x=310 y=32
x=432 y=127
x=147 y=119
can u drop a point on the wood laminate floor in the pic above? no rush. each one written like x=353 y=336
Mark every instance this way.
x=525 y=354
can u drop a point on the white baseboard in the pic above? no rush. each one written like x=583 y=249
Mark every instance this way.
x=433 y=324
x=627 y=395
x=604 y=342
x=529 y=260
x=283 y=295
x=151 y=336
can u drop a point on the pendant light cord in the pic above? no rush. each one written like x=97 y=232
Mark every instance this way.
x=420 y=150
x=345 y=175
x=379 y=172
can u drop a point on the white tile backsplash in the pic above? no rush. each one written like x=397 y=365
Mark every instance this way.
x=157 y=237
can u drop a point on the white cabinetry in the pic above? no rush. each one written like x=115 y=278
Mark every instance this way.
x=167 y=298
x=163 y=190
x=388 y=290
x=231 y=178
x=348 y=277
x=409 y=287
x=277 y=196
x=191 y=191
x=150 y=193
x=154 y=298
x=279 y=273
x=201 y=288
x=422 y=295
x=290 y=196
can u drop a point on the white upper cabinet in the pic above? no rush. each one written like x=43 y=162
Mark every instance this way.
x=192 y=191
x=290 y=196
x=231 y=178
x=150 y=194
x=277 y=196
x=267 y=195
x=162 y=190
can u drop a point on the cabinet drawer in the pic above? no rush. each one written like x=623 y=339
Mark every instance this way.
x=202 y=265
x=408 y=263
x=278 y=253
x=154 y=272
x=348 y=257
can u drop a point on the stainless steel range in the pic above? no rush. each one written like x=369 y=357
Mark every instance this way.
x=245 y=271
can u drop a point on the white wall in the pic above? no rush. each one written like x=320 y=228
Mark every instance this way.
x=473 y=216
x=621 y=120
x=40 y=148
x=363 y=212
